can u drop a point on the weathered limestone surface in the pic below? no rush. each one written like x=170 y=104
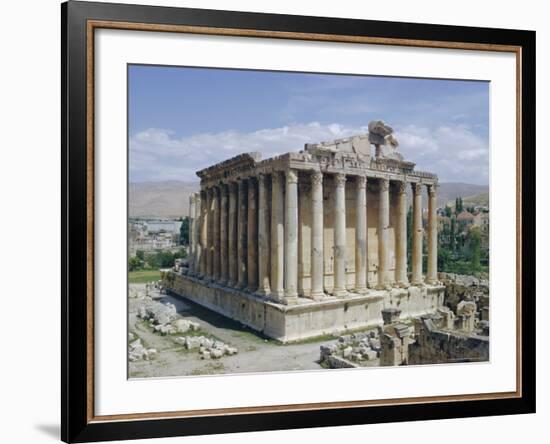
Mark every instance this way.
x=309 y=319
x=401 y=237
x=317 y=267
x=431 y=277
x=224 y=256
x=232 y=236
x=263 y=237
x=435 y=346
x=277 y=237
x=291 y=237
x=252 y=236
x=383 y=241
x=242 y=236
x=417 y=235
x=339 y=235
x=192 y=217
x=216 y=247
x=361 y=235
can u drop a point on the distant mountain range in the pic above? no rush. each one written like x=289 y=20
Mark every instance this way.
x=471 y=194
x=167 y=199
x=170 y=199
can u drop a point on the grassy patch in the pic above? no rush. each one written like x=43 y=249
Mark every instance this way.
x=143 y=276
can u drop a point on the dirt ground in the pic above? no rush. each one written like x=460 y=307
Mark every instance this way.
x=256 y=353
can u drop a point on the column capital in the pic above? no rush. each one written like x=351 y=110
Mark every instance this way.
x=316 y=178
x=402 y=187
x=361 y=181
x=340 y=179
x=384 y=184
x=432 y=189
x=291 y=176
x=416 y=187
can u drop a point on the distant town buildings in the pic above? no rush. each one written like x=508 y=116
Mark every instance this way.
x=454 y=229
x=153 y=234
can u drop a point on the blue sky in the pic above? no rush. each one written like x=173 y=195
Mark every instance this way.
x=184 y=119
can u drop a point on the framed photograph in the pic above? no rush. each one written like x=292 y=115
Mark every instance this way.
x=275 y=221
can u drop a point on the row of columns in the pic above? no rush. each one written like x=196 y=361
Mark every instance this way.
x=231 y=242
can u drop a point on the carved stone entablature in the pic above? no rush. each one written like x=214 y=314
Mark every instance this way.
x=229 y=167
x=349 y=156
x=384 y=164
x=356 y=148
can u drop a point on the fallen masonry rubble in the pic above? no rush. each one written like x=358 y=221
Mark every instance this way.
x=207 y=348
x=353 y=350
x=137 y=352
x=163 y=318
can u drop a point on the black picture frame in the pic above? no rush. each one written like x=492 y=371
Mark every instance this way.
x=77 y=425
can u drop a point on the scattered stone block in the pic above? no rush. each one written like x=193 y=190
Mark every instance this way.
x=347 y=352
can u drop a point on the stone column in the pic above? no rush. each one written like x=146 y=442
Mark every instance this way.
x=277 y=237
x=361 y=256
x=291 y=237
x=210 y=235
x=417 y=235
x=241 y=229
x=252 y=237
x=216 y=232
x=431 y=275
x=339 y=235
x=204 y=233
x=224 y=267
x=383 y=227
x=232 y=248
x=263 y=237
x=197 y=234
x=317 y=265
x=401 y=237
x=192 y=232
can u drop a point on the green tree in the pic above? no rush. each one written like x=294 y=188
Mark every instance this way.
x=184 y=231
x=444 y=258
x=134 y=263
x=458 y=205
x=453 y=235
x=180 y=254
x=140 y=254
x=448 y=211
x=474 y=240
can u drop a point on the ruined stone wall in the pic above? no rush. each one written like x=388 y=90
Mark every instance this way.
x=442 y=347
x=464 y=287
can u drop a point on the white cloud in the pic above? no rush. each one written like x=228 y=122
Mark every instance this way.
x=455 y=153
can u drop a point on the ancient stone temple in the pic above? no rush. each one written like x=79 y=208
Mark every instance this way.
x=312 y=242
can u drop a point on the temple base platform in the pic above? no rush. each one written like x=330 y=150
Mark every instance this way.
x=306 y=318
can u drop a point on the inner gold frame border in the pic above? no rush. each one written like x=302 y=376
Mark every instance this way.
x=92 y=25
